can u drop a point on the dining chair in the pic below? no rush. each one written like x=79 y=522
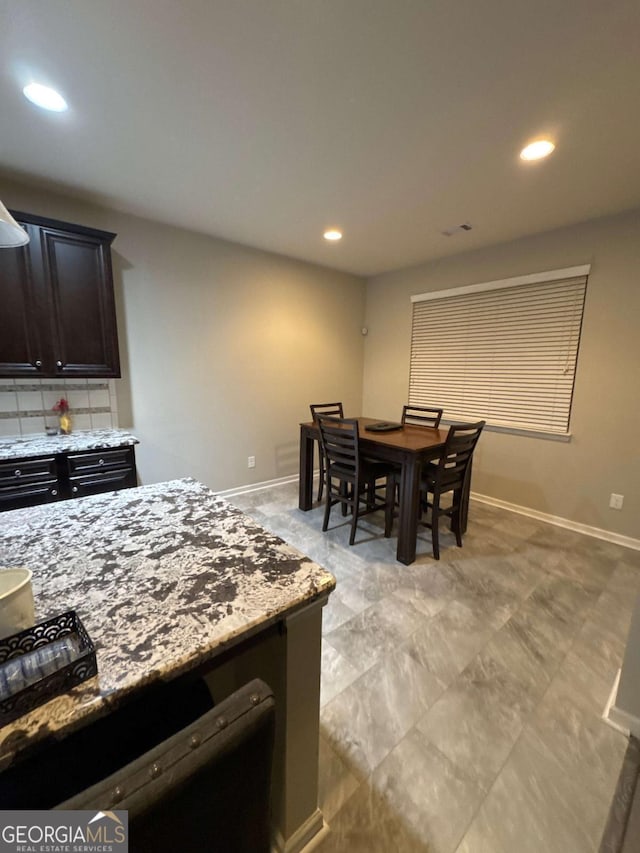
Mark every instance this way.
x=449 y=474
x=350 y=479
x=421 y=416
x=331 y=410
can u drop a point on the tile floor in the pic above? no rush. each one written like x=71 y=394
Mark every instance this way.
x=462 y=699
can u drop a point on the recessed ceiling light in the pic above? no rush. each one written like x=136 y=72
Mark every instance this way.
x=333 y=234
x=537 y=150
x=43 y=96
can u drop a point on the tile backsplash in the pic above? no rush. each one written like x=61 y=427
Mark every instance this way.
x=26 y=405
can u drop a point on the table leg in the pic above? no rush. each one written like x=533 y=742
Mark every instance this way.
x=409 y=505
x=305 y=498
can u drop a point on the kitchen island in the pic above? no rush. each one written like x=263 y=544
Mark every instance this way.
x=168 y=579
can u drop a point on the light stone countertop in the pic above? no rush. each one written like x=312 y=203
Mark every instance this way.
x=20 y=447
x=163 y=577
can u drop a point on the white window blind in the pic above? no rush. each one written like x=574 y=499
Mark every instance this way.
x=504 y=351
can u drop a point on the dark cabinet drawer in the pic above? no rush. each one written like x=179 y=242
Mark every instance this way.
x=27 y=471
x=106 y=481
x=28 y=482
x=100 y=460
x=29 y=494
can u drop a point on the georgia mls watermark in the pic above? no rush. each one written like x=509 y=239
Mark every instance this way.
x=64 y=832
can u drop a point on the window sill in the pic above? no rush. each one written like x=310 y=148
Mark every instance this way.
x=527 y=433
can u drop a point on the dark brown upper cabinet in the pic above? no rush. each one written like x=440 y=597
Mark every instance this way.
x=57 y=309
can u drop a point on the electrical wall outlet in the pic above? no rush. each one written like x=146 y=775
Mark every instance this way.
x=251 y=462
x=615 y=501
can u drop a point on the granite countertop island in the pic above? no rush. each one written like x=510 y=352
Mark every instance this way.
x=164 y=577
x=48 y=445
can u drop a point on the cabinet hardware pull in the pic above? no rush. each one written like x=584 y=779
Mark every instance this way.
x=100 y=461
x=37 y=364
x=58 y=364
x=74 y=490
x=18 y=472
x=54 y=492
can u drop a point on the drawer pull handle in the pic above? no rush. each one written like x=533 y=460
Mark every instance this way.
x=100 y=461
x=54 y=492
x=38 y=364
x=74 y=490
x=18 y=472
x=59 y=365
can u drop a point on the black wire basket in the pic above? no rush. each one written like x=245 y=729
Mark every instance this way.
x=42 y=662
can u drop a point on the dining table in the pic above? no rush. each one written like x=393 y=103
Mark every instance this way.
x=410 y=448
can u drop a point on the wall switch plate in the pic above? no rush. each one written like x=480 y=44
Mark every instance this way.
x=251 y=462
x=615 y=501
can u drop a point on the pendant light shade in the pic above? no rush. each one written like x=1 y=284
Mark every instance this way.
x=11 y=234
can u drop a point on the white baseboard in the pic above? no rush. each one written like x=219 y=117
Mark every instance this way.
x=303 y=838
x=559 y=521
x=624 y=722
x=609 y=715
x=616 y=717
x=257 y=487
x=587 y=529
x=317 y=840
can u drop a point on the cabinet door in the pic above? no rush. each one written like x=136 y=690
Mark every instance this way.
x=77 y=268
x=21 y=312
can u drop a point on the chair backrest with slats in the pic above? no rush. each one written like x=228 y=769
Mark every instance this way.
x=457 y=454
x=339 y=439
x=333 y=410
x=421 y=416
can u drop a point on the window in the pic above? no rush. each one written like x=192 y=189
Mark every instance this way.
x=504 y=351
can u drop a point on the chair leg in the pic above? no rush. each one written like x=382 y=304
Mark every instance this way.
x=321 y=471
x=344 y=491
x=435 y=520
x=354 y=520
x=456 y=517
x=371 y=495
x=327 y=507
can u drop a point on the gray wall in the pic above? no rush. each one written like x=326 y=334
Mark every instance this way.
x=570 y=480
x=628 y=697
x=223 y=347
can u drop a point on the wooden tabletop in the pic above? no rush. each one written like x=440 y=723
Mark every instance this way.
x=410 y=437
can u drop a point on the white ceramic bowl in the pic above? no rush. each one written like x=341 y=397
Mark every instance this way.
x=16 y=601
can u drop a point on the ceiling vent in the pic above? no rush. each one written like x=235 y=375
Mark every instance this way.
x=456 y=229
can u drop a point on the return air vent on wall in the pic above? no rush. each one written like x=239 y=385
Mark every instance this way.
x=456 y=229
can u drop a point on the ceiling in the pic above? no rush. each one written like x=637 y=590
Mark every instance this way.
x=266 y=121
